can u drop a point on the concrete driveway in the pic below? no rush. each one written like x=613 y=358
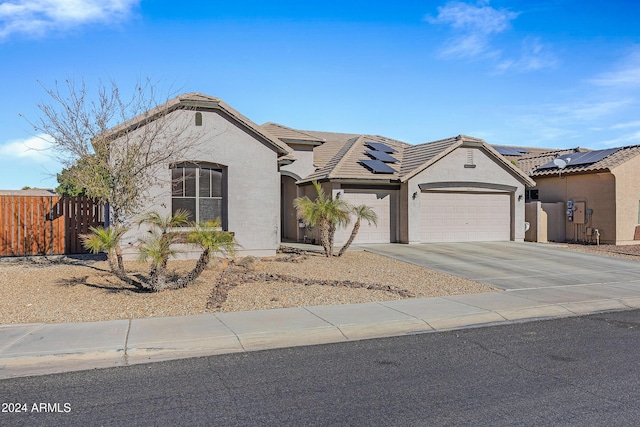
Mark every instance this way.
x=516 y=265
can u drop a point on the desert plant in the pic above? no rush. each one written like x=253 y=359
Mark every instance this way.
x=111 y=162
x=325 y=213
x=209 y=237
x=106 y=240
x=158 y=246
x=361 y=212
x=212 y=240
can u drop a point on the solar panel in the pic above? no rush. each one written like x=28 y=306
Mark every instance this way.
x=378 y=146
x=511 y=151
x=382 y=156
x=586 y=158
x=591 y=156
x=378 y=166
x=549 y=165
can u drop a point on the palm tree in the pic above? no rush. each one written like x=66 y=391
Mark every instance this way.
x=212 y=240
x=158 y=246
x=362 y=212
x=325 y=213
x=107 y=240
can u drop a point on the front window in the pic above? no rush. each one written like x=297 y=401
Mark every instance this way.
x=199 y=190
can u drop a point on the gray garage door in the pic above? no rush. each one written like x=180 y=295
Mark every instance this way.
x=465 y=217
x=380 y=202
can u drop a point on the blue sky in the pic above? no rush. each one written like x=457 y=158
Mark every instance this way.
x=556 y=73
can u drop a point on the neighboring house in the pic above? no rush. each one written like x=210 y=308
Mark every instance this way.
x=38 y=192
x=452 y=190
x=585 y=195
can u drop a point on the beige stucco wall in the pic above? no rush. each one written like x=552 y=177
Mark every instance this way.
x=553 y=215
x=383 y=202
x=547 y=222
x=596 y=190
x=452 y=168
x=537 y=225
x=627 y=177
x=253 y=182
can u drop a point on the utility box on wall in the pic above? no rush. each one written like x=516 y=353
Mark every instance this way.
x=579 y=212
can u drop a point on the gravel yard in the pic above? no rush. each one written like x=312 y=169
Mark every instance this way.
x=622 y=251
x=54 y=291
x=83 y=291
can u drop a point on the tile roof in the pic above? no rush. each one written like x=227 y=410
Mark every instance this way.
x=420 y=155
x=530 y=162
x=289 y=135
x=345 y=156
x=333 y=142
x=539 y=156
x=345 y=162
x=608 y=163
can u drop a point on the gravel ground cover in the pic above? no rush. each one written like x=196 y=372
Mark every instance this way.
x=66 y=290
x=55 y=291
x=622 y=251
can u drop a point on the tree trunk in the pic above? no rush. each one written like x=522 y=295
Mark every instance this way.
x=157 y=278
x=119 y=258
x=354 y=232
x=113 y=264
x=117 y=268
x=332 y=233
x=187 y=280
x=324 y=237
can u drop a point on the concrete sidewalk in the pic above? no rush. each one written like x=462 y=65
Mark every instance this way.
x=34 y=349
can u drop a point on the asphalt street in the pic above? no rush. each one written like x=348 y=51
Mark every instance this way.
x=571 y=371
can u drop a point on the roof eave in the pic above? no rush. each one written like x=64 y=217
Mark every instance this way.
x=183 y=102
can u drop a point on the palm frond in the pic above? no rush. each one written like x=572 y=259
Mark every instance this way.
x=365 y=213
x=102 y=239
x=209 y=236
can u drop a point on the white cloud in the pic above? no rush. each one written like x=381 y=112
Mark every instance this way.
x=627 y=125
x=37 y=149
x=589 y=111
x=38 y=17
x=534 y=56
x=474 y=25
x=627 y=74
x=628 y=139
x=482 y=19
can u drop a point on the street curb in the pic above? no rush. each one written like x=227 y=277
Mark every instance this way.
x=17 y=365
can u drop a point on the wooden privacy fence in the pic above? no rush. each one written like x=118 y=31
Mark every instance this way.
x=46 y=225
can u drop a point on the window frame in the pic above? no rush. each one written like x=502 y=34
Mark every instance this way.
x=199 y=166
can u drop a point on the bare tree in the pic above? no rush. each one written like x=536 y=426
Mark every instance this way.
x=111 y=145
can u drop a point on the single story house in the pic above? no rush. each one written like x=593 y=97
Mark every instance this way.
x=451 y=190
x=582 y=195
